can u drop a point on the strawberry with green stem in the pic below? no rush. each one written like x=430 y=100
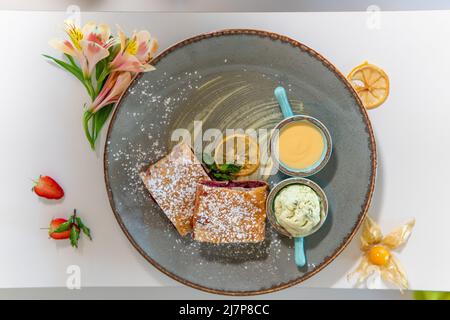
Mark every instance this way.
x=69 y=229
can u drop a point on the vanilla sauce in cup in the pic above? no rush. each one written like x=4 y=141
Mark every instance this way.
x=300 y=145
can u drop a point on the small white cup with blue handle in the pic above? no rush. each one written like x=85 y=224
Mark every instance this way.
x=299 y=250
x=289 y=118
x=299 y=174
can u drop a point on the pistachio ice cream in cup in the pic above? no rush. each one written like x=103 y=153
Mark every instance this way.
x=297 y=207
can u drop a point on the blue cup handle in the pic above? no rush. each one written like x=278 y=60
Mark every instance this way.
x=280 y=94
x=299 y=252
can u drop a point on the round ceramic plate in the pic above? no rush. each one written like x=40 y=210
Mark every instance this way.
x=226 y=79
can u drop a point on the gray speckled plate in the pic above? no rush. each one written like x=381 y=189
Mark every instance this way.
x=226 y=79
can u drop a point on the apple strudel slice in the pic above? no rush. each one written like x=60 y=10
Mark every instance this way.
x=230 y=212
x=172 y=182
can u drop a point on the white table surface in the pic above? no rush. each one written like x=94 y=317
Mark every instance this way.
x=41 y=133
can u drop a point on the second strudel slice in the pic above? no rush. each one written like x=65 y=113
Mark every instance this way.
x=230 y=212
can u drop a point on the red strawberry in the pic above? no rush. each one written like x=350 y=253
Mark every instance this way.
x=56 y=224
x=48 y=188
x=61 y=228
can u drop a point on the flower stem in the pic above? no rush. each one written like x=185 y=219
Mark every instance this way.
x=93 y=129
x=90 y=88
x=86 y=117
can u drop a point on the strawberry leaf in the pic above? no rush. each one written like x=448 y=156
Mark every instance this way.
x=74 y=236
x=63 y=226
x=84 y=228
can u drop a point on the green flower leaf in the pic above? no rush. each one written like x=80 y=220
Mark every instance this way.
x=68 y=67
x=72 y=61
x=113 y=51
x=76 y=71
x=100 y=66
x=101 y=73
x=100 y=118
x=94 y=122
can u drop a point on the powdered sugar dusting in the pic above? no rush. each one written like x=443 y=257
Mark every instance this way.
x=172 y=181
x=140 y=137
x=229 y=215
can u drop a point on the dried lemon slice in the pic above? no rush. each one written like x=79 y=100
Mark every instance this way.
x=240 y=149
x=371 y=83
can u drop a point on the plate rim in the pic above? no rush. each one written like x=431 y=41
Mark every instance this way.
x=330 y=66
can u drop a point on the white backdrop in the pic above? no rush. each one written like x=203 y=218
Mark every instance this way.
x=40 y=131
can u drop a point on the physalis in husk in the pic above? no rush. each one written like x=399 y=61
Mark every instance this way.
x=377 y=255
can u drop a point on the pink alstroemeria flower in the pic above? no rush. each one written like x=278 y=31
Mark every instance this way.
x=88 y=45
x=135 y=53
x=115 y=85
